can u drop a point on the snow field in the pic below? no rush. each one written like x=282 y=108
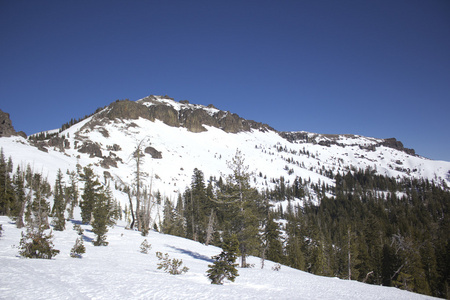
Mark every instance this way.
x=120 y=271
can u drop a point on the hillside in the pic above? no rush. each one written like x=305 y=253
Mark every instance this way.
x=120 y=271
x=342 y=206
x=179 y=136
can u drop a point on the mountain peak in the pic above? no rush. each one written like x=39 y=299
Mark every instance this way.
x=194 y=117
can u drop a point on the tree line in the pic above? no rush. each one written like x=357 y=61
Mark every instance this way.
x=370 y=228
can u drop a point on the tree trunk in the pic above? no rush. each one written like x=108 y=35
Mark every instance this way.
x=210 y=229
x=132 y=212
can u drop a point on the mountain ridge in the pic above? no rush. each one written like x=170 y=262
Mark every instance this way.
x=204 y=137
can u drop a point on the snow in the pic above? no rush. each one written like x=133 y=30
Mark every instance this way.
x=209 y=151
x=120 y=271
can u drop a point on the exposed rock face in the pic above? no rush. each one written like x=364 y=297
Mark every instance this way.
x=91 y=148
x=126 y=109
x=393 y=143
x=191 y=116
x=153 y=152
x=6 y=127
x=333 y=139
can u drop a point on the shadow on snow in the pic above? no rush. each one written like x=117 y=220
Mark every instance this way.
x=195 y=255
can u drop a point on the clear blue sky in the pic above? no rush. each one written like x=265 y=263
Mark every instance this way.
x=377 y=68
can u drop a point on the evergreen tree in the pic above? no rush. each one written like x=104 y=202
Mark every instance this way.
x=71 y=193
x=241 y=207
x=39 y=208
x=78 y=249
x=196 y=208
x=102 y=217
x=224 y=266
x=272 y=247
x=59 y=205
x=6 y=189
x=20 y=200
x=36 y=244
x=91 y=192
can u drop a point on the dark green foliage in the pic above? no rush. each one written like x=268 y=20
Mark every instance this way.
x=78 y=229
x=39 y=208
x=36 y=244
x=6 y=187
x=101 y=218
x=92 y=189
x=20 y=199
x=71 y=192
x=224 y=266
x=196 y=207
x=59 y=204
x=171 y=266
x=398 y=231
x=78 y=249
x=272 y=247
x=240 y=208
x=173 y=222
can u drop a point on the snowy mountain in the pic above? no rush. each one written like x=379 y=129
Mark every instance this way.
x=175 y=138
x=178 y=137
x=121 y=271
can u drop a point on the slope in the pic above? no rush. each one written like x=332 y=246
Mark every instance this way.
x=120 y=271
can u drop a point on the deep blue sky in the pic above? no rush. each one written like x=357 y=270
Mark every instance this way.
x=377 y=68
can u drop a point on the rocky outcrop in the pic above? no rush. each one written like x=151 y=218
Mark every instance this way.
x=191 y=116
x=6 y=127
x=393 y=143
x=126 y=109
x=333 y=139
x=194 y=120
x=153 y=152
x=91 y=148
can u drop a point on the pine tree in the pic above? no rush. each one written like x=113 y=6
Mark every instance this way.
x=6 y=188
x=272 y=247
x=36 y=244
x=71 y=193
x=78 y=249
x=59 y=205
x=39 y=208
x=224 y=266
x=101 y=217
x=90 y=194
x=241 y=207
x=20 y=200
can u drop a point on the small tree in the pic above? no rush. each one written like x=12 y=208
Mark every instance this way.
x=78 y=249
x=37 y=244
x=224 y=265
x=145 y=247
x=59 y=204
x=171 y=266
x=78 y=229
x=101 y=215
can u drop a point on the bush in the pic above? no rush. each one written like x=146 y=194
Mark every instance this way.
x=276 y=267
x=170 y=266
x=145 y=247
x=78 y=249
x=36 y=244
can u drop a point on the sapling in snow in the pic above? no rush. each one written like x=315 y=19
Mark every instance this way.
x=171 y=266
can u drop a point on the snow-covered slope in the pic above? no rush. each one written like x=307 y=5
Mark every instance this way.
x=120 y=271
x=108 y=142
